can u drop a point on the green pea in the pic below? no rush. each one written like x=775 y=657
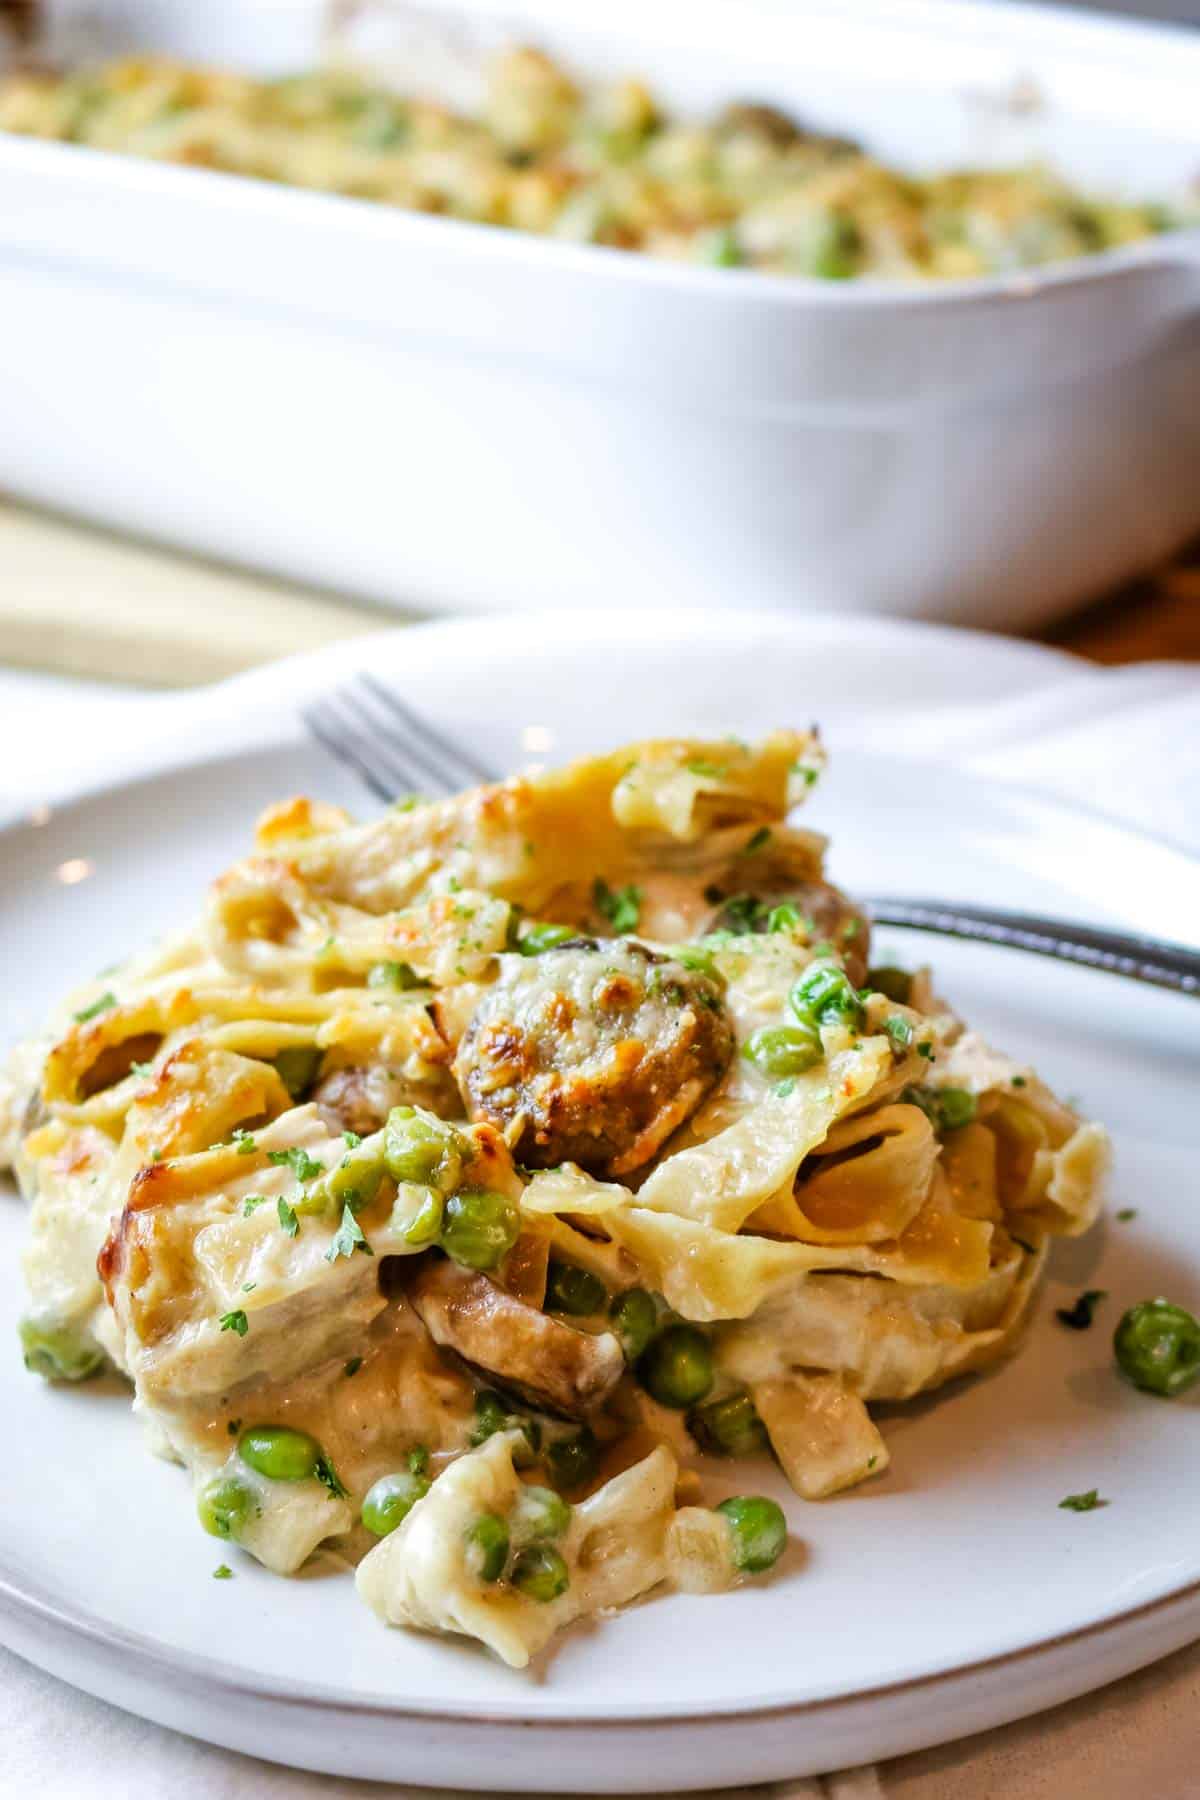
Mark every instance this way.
x=491 y=1415
x=58 y=1352
x=487 y=1547
x=479 y=1228
x=425 y=1227
x=544 y=1514
x=540 y=1573
x=895 y=983
x=699 y=960
x=225 y=1505
x=279 y=1452
x=956 y=1107
x=784 y=1049
x=297 y=1067
x=728 y=1427
x=634 y=1318
x=390 y=1500
x=573 y=1290
x=573 y=1460
x=677 y=1369
x=824 y=995
x=759 y=1531
x=545 y=937
x=420 y=1147
x=353 y=1181
x=399 y=976
x=1157 y=1347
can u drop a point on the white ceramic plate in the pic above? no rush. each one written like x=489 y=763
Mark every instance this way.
x=951 y=1594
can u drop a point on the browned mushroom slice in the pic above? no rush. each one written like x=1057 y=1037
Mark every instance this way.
x=549 y=1364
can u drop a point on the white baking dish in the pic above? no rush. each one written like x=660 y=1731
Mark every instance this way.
x=446 y=415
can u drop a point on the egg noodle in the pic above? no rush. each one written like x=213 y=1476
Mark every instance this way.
x=460 y=1174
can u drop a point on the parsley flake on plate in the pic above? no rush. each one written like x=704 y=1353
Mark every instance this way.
x=235 y=1321
x=1079 y=1316
x=1082 y=1502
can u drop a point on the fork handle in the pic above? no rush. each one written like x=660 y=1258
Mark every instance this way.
x=1145 y=959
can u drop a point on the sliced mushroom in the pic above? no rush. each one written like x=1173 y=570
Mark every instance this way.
x=549 y=1364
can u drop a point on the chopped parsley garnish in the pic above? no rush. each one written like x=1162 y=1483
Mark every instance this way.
x=327 y=1475
x=353 y=1366
x=713 y=771
x=899 y=1031
x=761 y=838
x=244 y=1142
x=98 y=1006
x=621 y=908
x=786 y=917
x=1082 y=1502
x=851 y=929
x=925 y=1049
x=1079 y=1316
x=235 y=1321
x=454 y=884
x=406 y=802
x=1126 y=1213
x=806 y=772
x=251 y=1203
x=303 y=1166
x=248 y=1287
x=742 y=913
x=222 y=1572
x=1019 y=1081
x=352 y=1138
x=348 y=1238
x=287 y=1217
x=785 y=1087
x=871 y=1461
x=137 y=1068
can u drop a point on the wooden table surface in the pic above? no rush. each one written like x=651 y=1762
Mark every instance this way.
x=1156 y=620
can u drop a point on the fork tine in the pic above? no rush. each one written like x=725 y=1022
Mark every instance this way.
x=429 y=774
x=345 y=752
x=348 y=718
x=391 y=759
x=423 y=732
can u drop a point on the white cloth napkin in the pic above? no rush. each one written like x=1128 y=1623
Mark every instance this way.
x=1124 y=742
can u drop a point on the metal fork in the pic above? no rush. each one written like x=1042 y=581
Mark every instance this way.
x=394 y=751
x=391 y=748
